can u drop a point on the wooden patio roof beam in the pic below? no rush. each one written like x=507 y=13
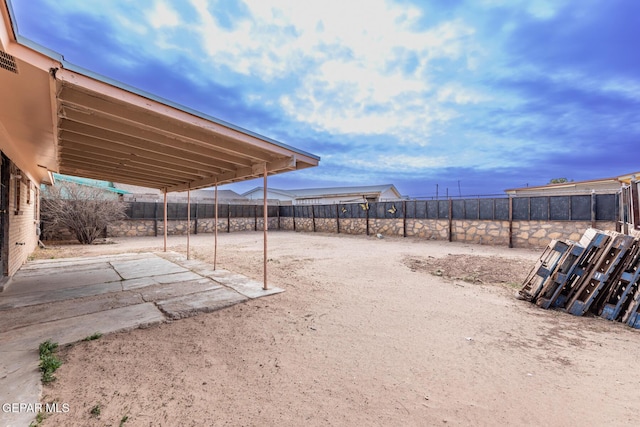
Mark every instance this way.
x=98 y=122
x=197 y=136
x=70 y=143
x=205 y=126
x=114 y=173
x=145 y=146
x=255 y=171
x=133 y=163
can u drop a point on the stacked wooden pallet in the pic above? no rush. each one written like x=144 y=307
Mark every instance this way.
x=597 y=275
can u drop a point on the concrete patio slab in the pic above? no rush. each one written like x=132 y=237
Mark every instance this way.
x=178 y=277
x=246 y=286
x=155 y=266
x=70 y=330
x=48 y=280
x=20 y=380
x=35 y=298
x=78 y=261
x=66 y=300
x=25 y=316
x=156 y=293
x=202 y=302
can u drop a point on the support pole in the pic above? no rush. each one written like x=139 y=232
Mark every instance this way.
x=511 y=222
x=367 y=215
x=188 y=223
x=266 y=217
x=635 y=202
x=165 y=220
x=404 y=218
x=450 y=219
x=593 y=209
x=215 y=227
x=155 y=219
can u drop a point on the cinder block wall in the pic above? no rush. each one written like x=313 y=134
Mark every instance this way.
x=23 y=221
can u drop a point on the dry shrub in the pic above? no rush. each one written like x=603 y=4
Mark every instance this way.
x=84 y=210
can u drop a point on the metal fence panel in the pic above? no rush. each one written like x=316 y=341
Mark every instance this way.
x=559 y=208
x=539 y=208
x=607 y=207
x=471 y=209
x=521 y=208
x=411 y=208
x=581 y=208
x=502 y=209
x=552 y=208
x=487 y=209
x=457 y=209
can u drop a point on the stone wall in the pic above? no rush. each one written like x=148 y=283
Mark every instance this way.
x=525 y=234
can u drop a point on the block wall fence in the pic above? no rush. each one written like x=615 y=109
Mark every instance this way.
x=518 y=222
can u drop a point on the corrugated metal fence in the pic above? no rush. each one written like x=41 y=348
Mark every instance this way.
x=595 y=207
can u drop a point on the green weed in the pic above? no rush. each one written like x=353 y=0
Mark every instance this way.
x=95 y=411
x=49 y=363
x=94 y=336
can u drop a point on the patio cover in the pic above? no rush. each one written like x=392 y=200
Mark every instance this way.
x=56 y=117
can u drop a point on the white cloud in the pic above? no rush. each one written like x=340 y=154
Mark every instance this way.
x=162 y=15
x=540 y=9
x=456 y=93
x=353 y=69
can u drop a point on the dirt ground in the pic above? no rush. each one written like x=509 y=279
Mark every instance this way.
x=369 y=332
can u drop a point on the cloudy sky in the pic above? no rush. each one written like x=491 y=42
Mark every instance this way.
x=472 y=96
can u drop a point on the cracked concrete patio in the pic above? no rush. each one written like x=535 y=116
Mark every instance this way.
x=66 y=300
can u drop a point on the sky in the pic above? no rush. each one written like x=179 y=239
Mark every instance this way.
x=459 y=97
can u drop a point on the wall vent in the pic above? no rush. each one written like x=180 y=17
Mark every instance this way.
x=8 y=62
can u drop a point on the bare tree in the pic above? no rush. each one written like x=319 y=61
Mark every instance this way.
x=84 y=210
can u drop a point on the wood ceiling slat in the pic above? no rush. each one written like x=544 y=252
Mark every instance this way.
x=77 y=153
x=202 y=131
x=257 y=170
x=115 y=174
x=138 y=172
x=151 y=137
x=212 y=144
x=170 y=152
x=79 y=142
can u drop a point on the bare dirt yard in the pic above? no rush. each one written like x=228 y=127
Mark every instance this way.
x=388 y=332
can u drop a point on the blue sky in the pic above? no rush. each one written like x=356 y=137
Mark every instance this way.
x=474 y=96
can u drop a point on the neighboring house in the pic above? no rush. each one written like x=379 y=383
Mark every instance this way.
x=628 y=186
x=108 y=187
x=598 y=186
x=142 y=194
x=57 y=117
x=332 y=195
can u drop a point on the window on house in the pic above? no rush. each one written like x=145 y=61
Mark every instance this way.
x=17 y=189
x=29 y=191
x=36 y=199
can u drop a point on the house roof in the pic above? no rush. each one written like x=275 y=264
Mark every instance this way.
x=61 y=118
x=103 y=185
x=305 y=193
x=614 y=181
x=138 y=192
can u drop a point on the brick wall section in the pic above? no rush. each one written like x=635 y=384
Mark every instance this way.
x=526 y=234
x=23 y=239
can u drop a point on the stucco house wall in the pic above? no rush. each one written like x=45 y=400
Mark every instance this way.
x=22 y=217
